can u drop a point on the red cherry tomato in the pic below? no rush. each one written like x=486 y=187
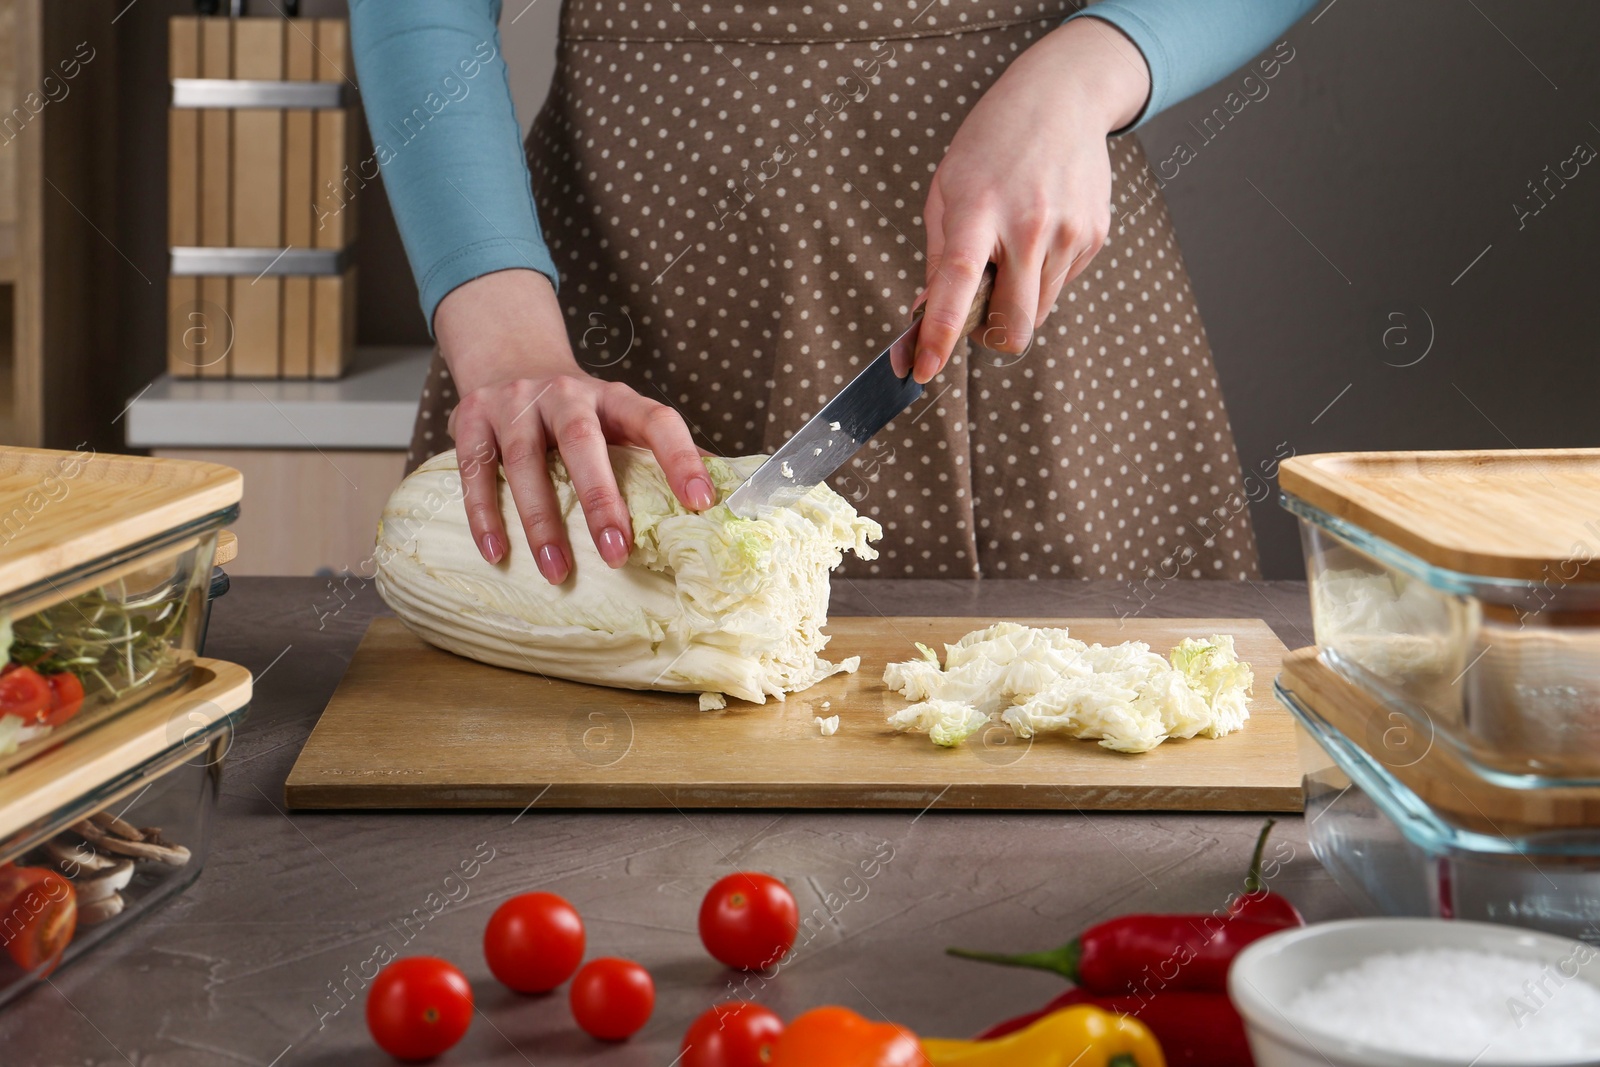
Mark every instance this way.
x=740 y=1033
x=749 y=921
x=25 y=694
x=612 y=999
x=66 y=697
x=418 y=1007
x=39 y=913
x=534 y=942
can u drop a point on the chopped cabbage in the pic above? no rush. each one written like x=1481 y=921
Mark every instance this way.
x=1391 y=624
x=946 y=722
x=11 y=733
x=708 y=603
x=1213 y=670
x=829 y=726
x=1042 y=680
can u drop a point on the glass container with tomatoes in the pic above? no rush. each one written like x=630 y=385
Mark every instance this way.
x=106 y=576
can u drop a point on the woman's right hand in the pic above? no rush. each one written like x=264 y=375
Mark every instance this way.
x=522 y=393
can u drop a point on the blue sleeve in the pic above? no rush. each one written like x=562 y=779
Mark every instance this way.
x=1192 y=44
x=446 y=137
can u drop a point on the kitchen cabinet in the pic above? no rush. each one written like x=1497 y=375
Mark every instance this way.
x=306 y=511
x=58 y=173
x=319 y=457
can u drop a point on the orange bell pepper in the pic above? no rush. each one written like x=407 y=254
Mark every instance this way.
x=838 y=1037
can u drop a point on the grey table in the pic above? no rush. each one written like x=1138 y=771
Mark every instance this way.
x=247 y=966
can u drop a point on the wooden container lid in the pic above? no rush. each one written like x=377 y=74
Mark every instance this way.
x=227 y=548
x=1428 y=765
x=60 y=510
x=1524 y=513
x=45 y=792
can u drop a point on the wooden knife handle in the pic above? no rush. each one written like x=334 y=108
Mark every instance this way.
x=979 y=311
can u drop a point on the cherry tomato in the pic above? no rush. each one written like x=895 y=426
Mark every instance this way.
x=749 y=921
x=740 y=1033
x=25 y=694
x=612 y=999
x=66 y=698
x=38 y=915
x=838 y=1037
x=534 y=942
x=418 y=1007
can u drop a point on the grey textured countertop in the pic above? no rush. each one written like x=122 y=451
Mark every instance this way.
x=240 y=968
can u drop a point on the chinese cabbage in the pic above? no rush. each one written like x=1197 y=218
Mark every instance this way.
x=707 y=603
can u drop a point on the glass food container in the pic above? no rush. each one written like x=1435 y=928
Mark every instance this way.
x=1394 y=854
x=96 y=834
x=1463 y=588
x=105 y=574
x=227 y=552
x=1456 y=790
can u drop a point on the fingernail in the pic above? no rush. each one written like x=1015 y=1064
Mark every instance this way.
x=613 y=546
x=552 y=564
x=927 y=366
x=700 y=494
x=492 y=547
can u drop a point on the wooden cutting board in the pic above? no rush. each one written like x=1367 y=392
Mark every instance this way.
x=411 y=726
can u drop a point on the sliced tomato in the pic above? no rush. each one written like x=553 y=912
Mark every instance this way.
x=38 y=915
x=66 y=697
x=25 y=694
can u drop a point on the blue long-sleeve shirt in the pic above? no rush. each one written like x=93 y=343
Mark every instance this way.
x=438 y=100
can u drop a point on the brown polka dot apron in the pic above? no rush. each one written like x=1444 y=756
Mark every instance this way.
x=732 y=193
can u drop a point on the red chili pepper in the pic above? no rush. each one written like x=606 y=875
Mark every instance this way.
x=1148 y=954
x=1144 y=953
x=1257 y=901
x=1194 y=1029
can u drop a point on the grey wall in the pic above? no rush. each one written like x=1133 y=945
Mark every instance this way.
x=528 y=38
x=1386 y=156
x=1398 y=141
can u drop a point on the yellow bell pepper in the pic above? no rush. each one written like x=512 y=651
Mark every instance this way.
x=1079 y=1036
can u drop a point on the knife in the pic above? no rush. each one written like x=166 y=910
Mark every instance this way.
x=848 y=421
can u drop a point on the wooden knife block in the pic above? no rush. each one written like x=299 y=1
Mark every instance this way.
x=264 y=178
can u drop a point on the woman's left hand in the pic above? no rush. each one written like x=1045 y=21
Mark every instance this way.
x=1027 y=185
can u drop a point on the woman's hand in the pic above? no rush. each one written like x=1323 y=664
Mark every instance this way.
x=522 y=393
x=1027 y=185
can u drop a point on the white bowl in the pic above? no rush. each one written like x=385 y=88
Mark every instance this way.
x=1270 y=973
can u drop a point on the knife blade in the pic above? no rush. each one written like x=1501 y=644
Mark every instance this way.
x=848 y=421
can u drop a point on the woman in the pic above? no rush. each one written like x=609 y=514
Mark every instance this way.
x=742 y=201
